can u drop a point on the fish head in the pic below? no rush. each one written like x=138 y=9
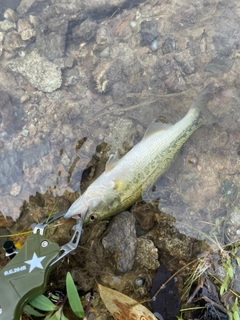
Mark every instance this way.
x=95 y=204
x=78 y=209
x=102 y=204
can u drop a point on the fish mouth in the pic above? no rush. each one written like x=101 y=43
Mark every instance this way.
x=75 y=211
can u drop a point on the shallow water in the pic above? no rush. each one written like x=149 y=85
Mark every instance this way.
x=95 y=74
x=81 y=80
x=70 y=73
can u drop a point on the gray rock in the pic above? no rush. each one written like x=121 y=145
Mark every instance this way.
x=220 y=64
x=34 y=153
x=168 y=72
x=11 y=167
x=8 y=119
x=77 y=7
x=223 y=45
x=169 y=45
x=148 y=32
x=13 y=41
x=41 y=73
x=51 y=37
x=121 y=242
x=85 y=31
x=24 y=6
x=4 y=5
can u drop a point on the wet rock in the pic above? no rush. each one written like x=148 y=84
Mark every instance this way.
x=15 y=189
x=65 y=62
x=41 y=73
x=170 y=73
x=105 y=53
x=9 y=121
x=121 y=242
x=148 y=32
x=106 y=74
x=147 y=254
x=34 y=153
x=51 y=37
x=25 y=30
x=13 y=41
x=233 y=226
x=10 y=15
x=76 y=7
x=86 y=31
x=169 y=45
x=169 y=241
x=145 y=215
x=222 y=45
x=4 y=5
x=104 y=36
x=11 y=167
x=186 y=16
x=185 y=62
x=71 y=77
x=7 y=25
x=116 y=137
x=220 y=64
x=24 y=6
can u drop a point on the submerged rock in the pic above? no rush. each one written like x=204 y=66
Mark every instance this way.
x=41 y=73
x=85 y=31
x=121 y=242
x=9 y=121
x=148 y=32
x=220 y=64
x=51 y=37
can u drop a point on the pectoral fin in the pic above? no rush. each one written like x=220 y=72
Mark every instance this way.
x=157 y=125
x=112 y=162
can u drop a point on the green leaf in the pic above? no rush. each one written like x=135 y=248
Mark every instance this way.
x=57 y=315
x=236 y=315
x=224 y=286
x=29 y=310
x=238 y=261
x=73 y=297
x=42 y=303
x=230 y=271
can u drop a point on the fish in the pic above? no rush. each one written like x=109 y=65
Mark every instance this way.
x=125 y=179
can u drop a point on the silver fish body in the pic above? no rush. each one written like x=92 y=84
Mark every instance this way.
x=124 y=180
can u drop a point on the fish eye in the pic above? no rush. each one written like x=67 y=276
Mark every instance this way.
x=93 y=217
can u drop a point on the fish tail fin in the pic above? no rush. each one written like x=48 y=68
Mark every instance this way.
x=200 y=104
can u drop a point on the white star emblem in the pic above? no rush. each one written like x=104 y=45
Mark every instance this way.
x=35 y=262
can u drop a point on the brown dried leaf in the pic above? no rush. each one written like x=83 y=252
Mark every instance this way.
x=122 y=307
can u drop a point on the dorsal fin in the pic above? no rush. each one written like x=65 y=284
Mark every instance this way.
x=112 y=162
x=160 y=124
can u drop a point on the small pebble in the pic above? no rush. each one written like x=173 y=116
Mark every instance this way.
x=154 y=45
x=10 y=15
x=24 y=98
x=15 y=190
x=4 y=134
x=192 y=159
x=139 y=281
x=105 y=53
x=104 y=124
x=101 y=137
x=25 y=132
x=21 y=53
x=133 y=25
